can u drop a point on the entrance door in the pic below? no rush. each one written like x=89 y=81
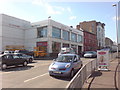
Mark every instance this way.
x=80 y=50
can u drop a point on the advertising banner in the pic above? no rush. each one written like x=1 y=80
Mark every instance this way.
x=103 y=59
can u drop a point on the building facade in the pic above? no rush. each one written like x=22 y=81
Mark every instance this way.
x=52 y=36
x=94 y=35
x=90 y=35
x=100 y=35
x=108 y=42
x=90 y=42
x=12 y=32
x=49 y=35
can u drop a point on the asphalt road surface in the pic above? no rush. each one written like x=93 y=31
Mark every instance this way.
x=35 y=75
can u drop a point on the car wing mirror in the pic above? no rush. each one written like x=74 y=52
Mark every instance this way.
x=75 y=60
x=54 y=59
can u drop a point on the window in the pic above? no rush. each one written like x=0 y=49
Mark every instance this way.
x=73 y=37
x=15 y=56
x=56 y=46
x=66 y=35
x=79 y=38
x=56 y=33
x=42 y=32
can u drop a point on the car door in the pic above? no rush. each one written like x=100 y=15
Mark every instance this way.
x=75 y=63
x=8 y=59
x=17 y=59
x=79 y=62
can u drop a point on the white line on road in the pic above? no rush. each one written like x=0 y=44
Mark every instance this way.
x=35 y=77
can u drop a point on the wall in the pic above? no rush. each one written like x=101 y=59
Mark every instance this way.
x=89 y=26
x=90 y=42
x=13 y=31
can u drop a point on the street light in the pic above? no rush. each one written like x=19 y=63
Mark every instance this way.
x=115 y=5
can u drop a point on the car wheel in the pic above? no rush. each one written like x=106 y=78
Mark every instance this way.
x=25 y=63
x=30 y=60
x=72 y=74
x=4 y=66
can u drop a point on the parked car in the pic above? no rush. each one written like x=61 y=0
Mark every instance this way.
x=66 y=50
x=7 y=52
x=90 y=54
x=10 y=60
x=28 y=57
x=65 y=65
x=30 y=53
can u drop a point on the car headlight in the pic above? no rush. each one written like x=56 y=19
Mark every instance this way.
x=68 y=65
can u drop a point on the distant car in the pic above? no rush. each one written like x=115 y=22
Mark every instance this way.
x=7 y=52
x=65 y=65
x=28 y=57
x=66 y=50
x=90 y=54
x=30 y=53
x=10 y=60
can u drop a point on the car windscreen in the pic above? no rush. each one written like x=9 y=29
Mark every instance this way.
x=64 y=58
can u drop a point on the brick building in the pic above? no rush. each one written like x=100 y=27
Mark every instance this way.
x=90 y=35
x=94 y=35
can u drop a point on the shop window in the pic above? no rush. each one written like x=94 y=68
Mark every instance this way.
x=42 y=46
x=56 y=33
x=65 y=45
x=73 y=37
x=66 y=35
x=42 y=32
x=56 y=47
x=80 y=38
x=74 y=47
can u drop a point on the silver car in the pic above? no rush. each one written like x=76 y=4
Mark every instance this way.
x=65 y=65
x=90 y=54
x=28 y=57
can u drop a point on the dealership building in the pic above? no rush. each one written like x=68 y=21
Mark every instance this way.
x=49 y=35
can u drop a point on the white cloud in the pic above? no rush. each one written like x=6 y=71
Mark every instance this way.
x=49 y=8
x=72 y=17
x=43 y=4
x=69 y=10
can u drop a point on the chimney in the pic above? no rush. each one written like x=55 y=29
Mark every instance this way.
x=78 y=27
x=71 y=26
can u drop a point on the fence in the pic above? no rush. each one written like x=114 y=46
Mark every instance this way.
x=82 y=75
x=79 y=79
x=113 y=56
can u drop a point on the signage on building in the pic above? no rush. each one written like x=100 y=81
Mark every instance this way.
x=103 y=59
x=41 y=44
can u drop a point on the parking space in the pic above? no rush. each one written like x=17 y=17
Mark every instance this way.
x=34 y=75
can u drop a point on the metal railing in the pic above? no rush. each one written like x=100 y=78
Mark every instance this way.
x=82 y=75
x=113 y=56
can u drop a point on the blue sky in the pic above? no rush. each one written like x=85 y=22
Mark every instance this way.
x=68 y=13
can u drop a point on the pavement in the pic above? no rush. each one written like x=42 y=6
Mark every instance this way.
x=105 y=79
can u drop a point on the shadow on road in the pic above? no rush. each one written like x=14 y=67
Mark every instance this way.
x=96 y=74
x=62 y=78
x=17 y=68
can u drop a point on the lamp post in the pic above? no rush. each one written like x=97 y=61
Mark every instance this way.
x=115 y=5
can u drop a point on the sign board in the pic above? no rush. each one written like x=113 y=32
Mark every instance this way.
x=103 y=59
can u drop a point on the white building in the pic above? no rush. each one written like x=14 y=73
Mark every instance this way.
x=101 y=34
x=12 y=32
x=48 y=35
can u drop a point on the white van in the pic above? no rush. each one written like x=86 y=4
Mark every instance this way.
x=66 y=50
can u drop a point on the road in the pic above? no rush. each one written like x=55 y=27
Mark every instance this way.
x=35 y=75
